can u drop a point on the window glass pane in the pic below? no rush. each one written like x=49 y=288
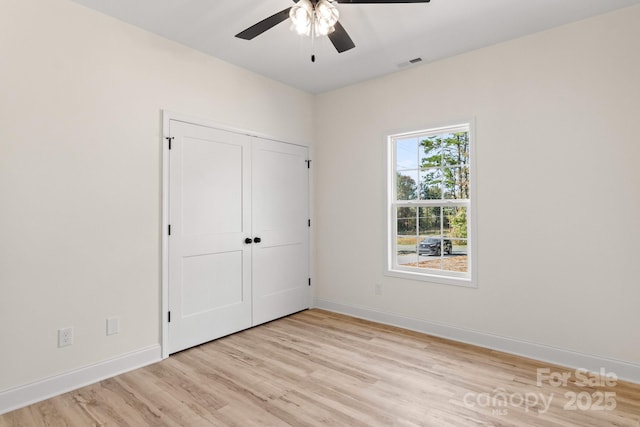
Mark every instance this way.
x=431 y=262
x=407 y=185
x=454 y=221
x=429 y=221
x=406 y=250
x=459 y=247
x=431 y=184
x=407 y=221
x=458 y=260
x=430 y=152
x=430 y=253
x=432 y=246
x=456 y=182
x=407 y=154
x=455 y=149
x=406 y=235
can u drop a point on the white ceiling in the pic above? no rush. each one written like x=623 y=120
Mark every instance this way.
x=386 y=36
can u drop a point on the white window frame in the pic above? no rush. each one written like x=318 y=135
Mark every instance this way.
x=468 y=279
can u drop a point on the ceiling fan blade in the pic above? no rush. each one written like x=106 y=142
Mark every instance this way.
x=381 y=1
x=340 y=39
x=264 y=25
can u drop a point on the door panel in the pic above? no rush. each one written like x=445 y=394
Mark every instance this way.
x=200 y=271
x=280 y=220
x=209 y=213
x=206 y=187
x=274 y=264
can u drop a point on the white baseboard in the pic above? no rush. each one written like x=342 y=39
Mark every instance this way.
x=19 y=397
x=623 y=370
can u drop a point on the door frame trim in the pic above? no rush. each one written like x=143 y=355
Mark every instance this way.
x=167 y=117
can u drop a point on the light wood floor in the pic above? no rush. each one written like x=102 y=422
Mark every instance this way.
x=320 y=368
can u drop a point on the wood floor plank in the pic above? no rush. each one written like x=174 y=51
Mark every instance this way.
x=318 y=368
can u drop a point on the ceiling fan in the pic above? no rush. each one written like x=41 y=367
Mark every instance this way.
x=315 y=18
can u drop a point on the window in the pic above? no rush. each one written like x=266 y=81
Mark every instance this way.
x=430 y=205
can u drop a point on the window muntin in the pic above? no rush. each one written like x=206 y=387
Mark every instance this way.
x=430 y=204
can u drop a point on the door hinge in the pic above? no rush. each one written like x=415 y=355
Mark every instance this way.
x=309 y=223
x=309 y=281
x=169 y=138
x=169 y=316
x=169 y=229
x=308 y=164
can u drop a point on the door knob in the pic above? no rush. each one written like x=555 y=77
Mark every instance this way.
x=248 y=240
x=257 y=240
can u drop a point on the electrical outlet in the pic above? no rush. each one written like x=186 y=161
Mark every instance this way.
x=113 y=325
x=378 y=289
x=65 y=337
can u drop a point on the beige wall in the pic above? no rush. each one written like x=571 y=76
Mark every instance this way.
x=81 y=96
x=558 y=188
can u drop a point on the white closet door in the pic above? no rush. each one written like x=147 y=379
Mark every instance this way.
x=280 y=220
x=210 y=217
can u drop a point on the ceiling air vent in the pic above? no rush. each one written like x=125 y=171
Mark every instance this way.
x=410 y=62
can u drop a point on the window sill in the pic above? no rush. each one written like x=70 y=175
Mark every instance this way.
x=433 y=278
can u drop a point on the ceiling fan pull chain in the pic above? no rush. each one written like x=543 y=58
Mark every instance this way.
x=313 y=36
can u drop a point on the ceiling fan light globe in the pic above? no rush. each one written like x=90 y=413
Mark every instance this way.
x=324 y=30
x=327 y=12
x=301 y=13
x=322 y=27
x=303 y=30
x=301 y=17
